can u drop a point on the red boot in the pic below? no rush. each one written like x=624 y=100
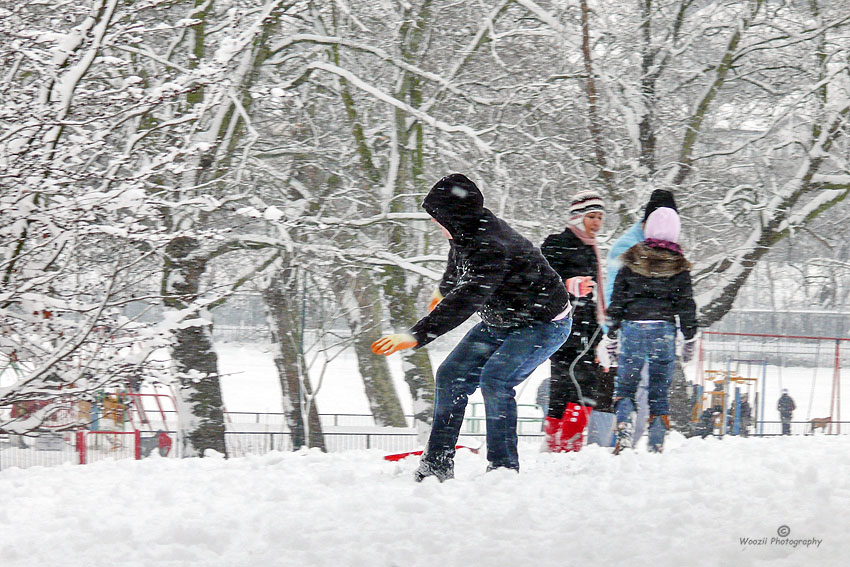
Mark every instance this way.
x=572 y=428
x=552 y=429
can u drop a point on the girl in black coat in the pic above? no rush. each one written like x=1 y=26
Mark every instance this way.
x=574 y=255
x=652 y=290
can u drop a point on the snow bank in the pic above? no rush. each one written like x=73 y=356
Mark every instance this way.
x=703 y=502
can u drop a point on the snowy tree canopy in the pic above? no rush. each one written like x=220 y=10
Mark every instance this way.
x=172 y=153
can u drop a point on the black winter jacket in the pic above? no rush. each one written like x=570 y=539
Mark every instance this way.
x=786 y=405
x=654 y=284
x=571 y=257
x=491 y=269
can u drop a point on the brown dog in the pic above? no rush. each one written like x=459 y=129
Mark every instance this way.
x=819 y=422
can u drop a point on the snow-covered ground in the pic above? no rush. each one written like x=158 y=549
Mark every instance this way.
x=705 y=502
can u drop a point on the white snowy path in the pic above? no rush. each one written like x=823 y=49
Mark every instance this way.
x=690 y=506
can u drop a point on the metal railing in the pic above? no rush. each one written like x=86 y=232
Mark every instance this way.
x=529 y=418
x=50 y=448
x=774 y=428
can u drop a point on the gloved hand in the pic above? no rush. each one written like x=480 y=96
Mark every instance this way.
x=436 y=298
x=688 y=350
x=580 y=286
x=603 y=352
x=613 y=348
x=394 y=343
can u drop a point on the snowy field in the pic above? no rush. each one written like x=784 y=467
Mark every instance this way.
x=704 y=502
x=250 y=382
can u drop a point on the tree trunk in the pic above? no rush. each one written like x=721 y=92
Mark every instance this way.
x=281 y=297
x=401 y=289
x=199 y=402
x=361 y=303
x=594 y=120
x=646 y=126
x=416 y=364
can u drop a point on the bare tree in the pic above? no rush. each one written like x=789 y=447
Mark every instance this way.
x=740 y=108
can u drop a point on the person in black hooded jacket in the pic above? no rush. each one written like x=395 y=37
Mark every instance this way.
x=524 y=309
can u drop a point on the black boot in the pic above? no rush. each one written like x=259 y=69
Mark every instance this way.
x=493 y=467
x=442 y=467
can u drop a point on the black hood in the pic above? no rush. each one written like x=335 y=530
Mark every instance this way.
x=456 y=203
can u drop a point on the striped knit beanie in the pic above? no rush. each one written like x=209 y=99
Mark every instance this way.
x=583 y=203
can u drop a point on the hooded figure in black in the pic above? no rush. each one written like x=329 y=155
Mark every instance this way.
x=494 y=271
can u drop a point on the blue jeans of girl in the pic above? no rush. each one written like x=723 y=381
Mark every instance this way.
x=497 y=360
x=653 y=343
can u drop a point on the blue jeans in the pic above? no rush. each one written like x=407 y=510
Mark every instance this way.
x=652 y=343
x=498 y=360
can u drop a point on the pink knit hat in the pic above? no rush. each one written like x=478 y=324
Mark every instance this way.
x=663 y=224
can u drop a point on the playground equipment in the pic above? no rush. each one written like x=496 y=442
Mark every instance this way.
x=725 y=402
x=115 y=424
x=130 y=414
x=732 y=352
x=119 y=409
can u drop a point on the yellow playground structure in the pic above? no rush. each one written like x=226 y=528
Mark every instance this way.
x=723 y=403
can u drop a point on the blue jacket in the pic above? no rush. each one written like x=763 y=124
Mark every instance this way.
x=615 y=262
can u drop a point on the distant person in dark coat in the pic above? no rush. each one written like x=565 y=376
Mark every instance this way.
x=705 y=426
x=746 y=416
x=786 y=407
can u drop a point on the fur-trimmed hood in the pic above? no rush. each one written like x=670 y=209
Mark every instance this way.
x=654 y=262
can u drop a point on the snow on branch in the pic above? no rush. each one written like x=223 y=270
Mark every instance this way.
x=229 y=48
x=376 y=258
x=820 y=201
x=779 y=216
x=789 y=39
x=153 y=57
x=549 y=19
x=472 y=46
x=831 y=180
x=376 y=219
x=377 y=52
x=387 y=258
x=68 y=345
x=483 y=146
x=67 y=79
